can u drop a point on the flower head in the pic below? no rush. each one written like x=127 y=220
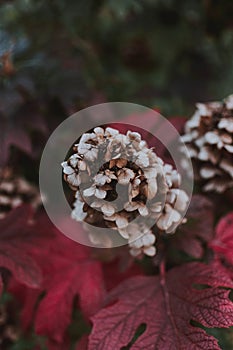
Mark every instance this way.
x=121 y=184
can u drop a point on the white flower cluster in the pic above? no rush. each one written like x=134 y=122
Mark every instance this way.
x=122 y=184
x=14 y=191
x=209 y=139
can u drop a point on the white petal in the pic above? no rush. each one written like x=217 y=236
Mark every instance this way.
x=77 y=213
x=111 y=132
x=200 y=142
x=229 y=148
x=182 y=200
x=82 y=165
x=99 y=131
x=100 y=179
x=74 y=159
x=131 y=206
x=100 y=193
x=212 y=138
x=150 y=173
x=193 y=122
x=73 y=180
x=89 y=191
x=143 y=211
x=192 y=152
x=124 y=176
x=67 y=170
x=156 y=207
x=142 y=160
x=108 y=209
x=92 y=154
x=121 y=222
x=124 y=233
x=186 y=138
x=150 y=251
x=138 y=243
x=166 y=220
x=203 y=109
x=148 y=239
x=207 y=172
x=203 y=154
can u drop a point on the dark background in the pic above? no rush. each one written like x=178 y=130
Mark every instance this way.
x=71 y=54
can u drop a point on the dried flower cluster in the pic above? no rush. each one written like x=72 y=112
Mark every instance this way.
x=14 y=191
x=117 y=179
x=209 y=139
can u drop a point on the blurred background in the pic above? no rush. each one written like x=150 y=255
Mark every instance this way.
x=64 y=56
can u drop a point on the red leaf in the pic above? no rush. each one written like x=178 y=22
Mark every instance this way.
x=69 y=271
x=165 y=304
x=223 y=241
x=199 y=228
x=15 y=235
x=27 y=297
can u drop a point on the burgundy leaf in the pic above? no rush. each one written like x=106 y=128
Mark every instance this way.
x=166 y=305
x=15 y=235
x=69 y=270
x=222 y=244
x=199 y=228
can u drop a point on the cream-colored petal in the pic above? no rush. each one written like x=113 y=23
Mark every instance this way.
x=150 y=251
x=108 y=209
x=142 y=160
x=212 y=137
x=73 y=180
x=89 y=191
x=143 y=211
x=67 y=169
x=124 y=233
x=121 y=222
x=77 y=213
x=100 y=179
x=207 y=172
x=229 y=148
x=182 y=201
x=110 y=132
x=124 y=176
x=100 y=193
x=148 y=239
x=203 y=154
